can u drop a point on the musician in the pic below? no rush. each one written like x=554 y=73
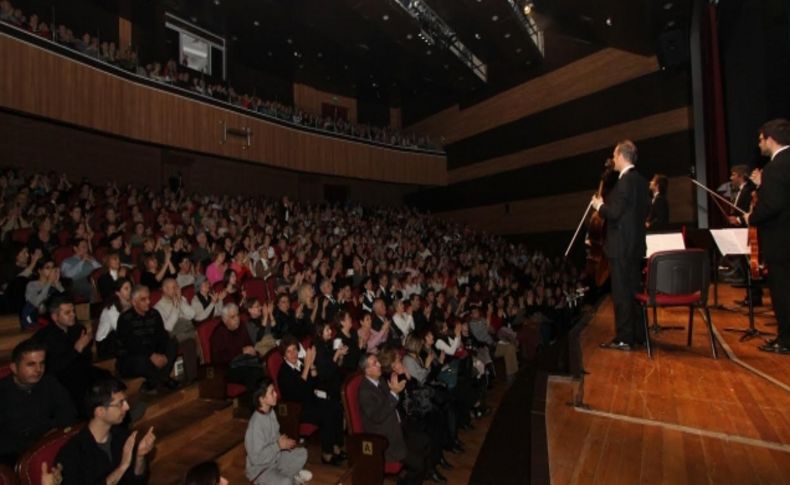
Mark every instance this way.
x=742 y=189
x=771 y=217
x=658 y=218
x=625 y=212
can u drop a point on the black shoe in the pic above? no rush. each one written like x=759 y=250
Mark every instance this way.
x=445 y=464
x=776 y=347
x=617 y=345
x=436 y=477
x=334 y=461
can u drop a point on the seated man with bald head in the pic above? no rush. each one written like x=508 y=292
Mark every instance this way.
x=144 y=348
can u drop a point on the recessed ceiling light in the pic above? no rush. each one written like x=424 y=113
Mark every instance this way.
x=507 y=35
x=289 y=40
x=519 y=50
x=446 y=66
x=528 y=8
x=269 y=53
x=193 y=19
x=320 y=55
x=495 y=18
x=608 y=21
x=428 y=52
x=234 y=38
x=216 y=2
x=670 y=24
x=345 y=66
x=409 y=36
x=385 y=17
x=477 y=36
x=256 y=23
x=668 y=6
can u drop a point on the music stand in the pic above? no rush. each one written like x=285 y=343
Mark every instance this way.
x=735 y=242
x=663 y=242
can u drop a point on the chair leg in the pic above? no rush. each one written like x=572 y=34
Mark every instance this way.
x=710 y=332
x=647 y=333
x=691 y=325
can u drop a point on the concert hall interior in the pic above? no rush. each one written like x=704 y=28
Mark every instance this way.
x=490 y=242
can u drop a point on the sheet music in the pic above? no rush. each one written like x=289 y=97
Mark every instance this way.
x=664 y=242
x=732 y=241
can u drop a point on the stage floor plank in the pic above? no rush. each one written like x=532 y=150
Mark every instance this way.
x=681 y=418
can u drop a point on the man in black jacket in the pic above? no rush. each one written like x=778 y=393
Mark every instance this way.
x=658 y=218
x=771 y=216
x=103 y=451
x=625 y=211
x=69 y=351
x=31 y=403
x=144 y=348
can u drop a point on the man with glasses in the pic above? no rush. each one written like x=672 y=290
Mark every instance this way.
x=103 y=451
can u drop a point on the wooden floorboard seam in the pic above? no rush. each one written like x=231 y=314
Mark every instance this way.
x=688 y=429
x=734 y=357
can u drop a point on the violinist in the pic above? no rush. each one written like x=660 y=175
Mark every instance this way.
x=771 y=217
x=625 y=211
x=741 y=190
x=658 y=218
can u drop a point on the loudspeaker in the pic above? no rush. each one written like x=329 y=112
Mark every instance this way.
x=673 y=49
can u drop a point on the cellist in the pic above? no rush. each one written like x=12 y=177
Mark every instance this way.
x=771 y=217
x=626 y=208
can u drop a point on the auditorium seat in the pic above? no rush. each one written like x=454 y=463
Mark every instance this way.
x=7 y=476
x=188 y=292
x=365 y=450
x=21 y=235
x=60 y=254
x=288 y=412
x=213 y=382
x=255 y=288
x=28 y=468
x=156 y=295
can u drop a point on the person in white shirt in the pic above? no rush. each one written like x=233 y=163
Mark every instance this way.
x=178 y=317
x=403 y=318
x=206 y=303
x=108 y=320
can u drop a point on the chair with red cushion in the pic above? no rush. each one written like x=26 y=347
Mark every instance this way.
x=188 y=292
x=214 y=377
x=365 y=450
x=28 y=468
x=156 y=295
x=61 y=253
x=288 y=412
x=255 y=288
x=7 y=475
x=678 y=278
x=21 y=235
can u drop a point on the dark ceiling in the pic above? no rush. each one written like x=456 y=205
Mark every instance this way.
x=371 y=49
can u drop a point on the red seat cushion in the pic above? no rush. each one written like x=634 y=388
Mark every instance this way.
x=188 y=292
x=255 y=288
x=274 y=360
x=392 y=467
x=234 y=390
x=156 y=295
x=307 y=429
x=5 y=371
x=670 y=300
x=351 y=396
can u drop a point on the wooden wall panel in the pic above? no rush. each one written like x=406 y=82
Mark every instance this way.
x=590 y=74
x=46 y=84
x=560 y=212
x=648 y=127
x=124 y=32
x=310 y=99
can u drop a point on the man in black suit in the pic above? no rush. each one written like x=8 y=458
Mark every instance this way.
x=742 y=189
x=771 y=216
x=625 y=211
x=658 y=218
x=378 y=404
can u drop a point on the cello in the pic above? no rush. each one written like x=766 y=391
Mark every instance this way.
x=597 y=265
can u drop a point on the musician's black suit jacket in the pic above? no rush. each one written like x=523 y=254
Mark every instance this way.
x=771 y=215
x=659 y=213
x=626 y=209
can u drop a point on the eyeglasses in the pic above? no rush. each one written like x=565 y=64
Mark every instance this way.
x=118 y=404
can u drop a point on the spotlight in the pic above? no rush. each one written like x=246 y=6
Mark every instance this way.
x=608 y=21
x=528 y=8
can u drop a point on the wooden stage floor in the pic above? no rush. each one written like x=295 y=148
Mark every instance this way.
x=682 y=417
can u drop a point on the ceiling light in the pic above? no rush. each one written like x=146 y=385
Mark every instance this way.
x=385 y=17
x=289 y=40
x=668 y=6
x=507 y=35
x=216 y=2
x=608 y=21
x=670 y=24
x=477 y=36
x=269 y=53
x=409 y=36
x=428 y=52
x=193 y=19
x=256 y=23
x=528 y=9
x=495 y=18
x=447 y=66
x=519 y=50
x=296 y=54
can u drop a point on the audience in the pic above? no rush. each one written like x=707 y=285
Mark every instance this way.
x=69 y=350
x=31 y=402
x=177 y=316
x=231 y=345
x=104 y=451
x=272 y=458
x=206 y=473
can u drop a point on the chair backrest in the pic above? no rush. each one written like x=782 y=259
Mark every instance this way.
x=351 y=403
x=188 y=292
x=255 y=288
x=21 y=235
x=5 y=371
x=274 y=360
x=156 y=295
x=61 y=253
x=28 y=468
x=679 y=272
x=204 y=330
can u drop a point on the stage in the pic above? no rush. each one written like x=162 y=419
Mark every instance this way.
x=682 y=417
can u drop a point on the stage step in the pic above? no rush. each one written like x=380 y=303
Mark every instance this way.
x=181 y=425
x=215 y=440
